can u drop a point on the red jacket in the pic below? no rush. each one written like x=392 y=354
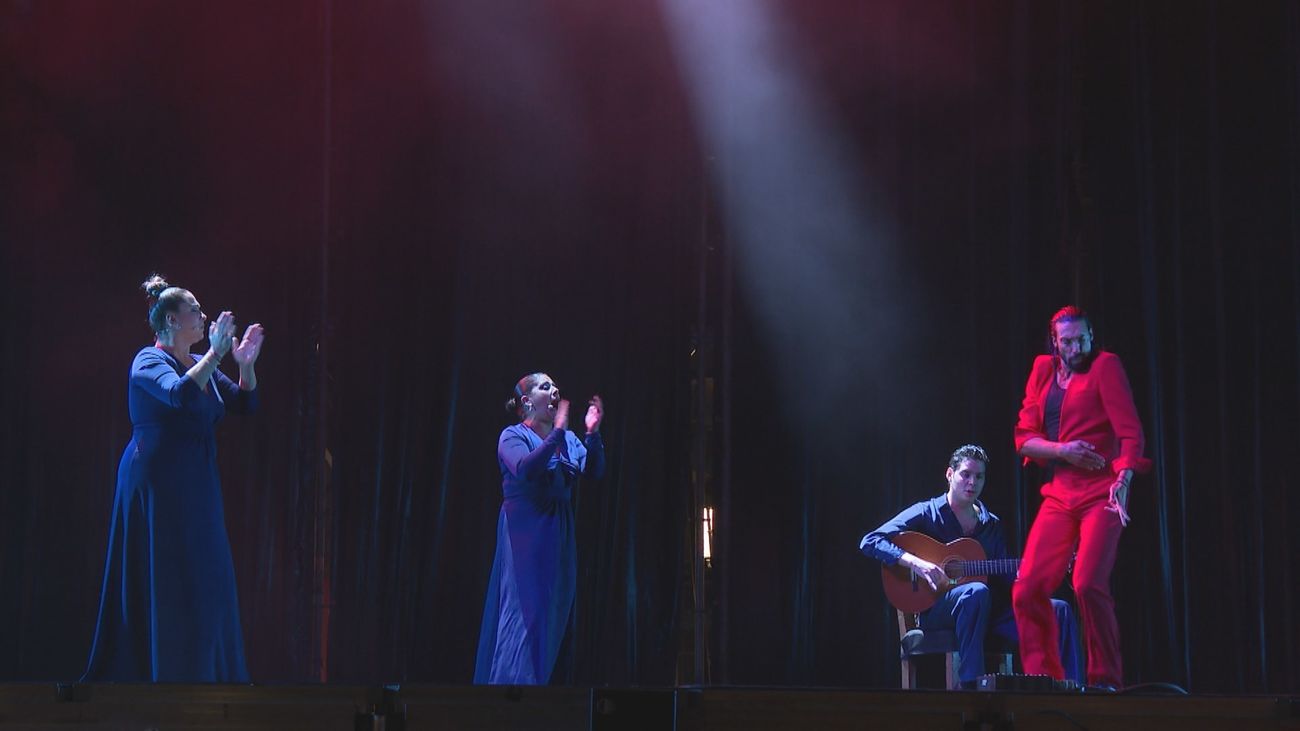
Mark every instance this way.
x=1098 y=408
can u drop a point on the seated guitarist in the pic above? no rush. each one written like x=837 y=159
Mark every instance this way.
x=975 y=608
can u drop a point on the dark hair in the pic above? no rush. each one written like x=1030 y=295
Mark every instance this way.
x=515 y=404
x=163 y=298
x=968 y=451
x=1069 y=313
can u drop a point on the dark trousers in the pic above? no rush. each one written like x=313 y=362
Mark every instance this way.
x=969 y=610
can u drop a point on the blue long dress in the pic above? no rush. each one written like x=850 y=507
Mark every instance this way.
x=169 y=611
x=534 y=575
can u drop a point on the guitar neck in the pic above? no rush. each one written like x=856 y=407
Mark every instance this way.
x=991 y=567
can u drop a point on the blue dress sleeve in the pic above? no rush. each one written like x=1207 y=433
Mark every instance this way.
x=154 y=374
x=595 y=465
x=520 y=461
x=238 y=401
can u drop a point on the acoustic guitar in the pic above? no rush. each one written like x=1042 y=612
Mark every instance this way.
x=962 y=561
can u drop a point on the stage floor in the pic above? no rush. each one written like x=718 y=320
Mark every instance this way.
x=393 y=708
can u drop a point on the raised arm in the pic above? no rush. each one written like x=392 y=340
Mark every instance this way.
x=520 y=461
x=238 y=399
x=245 y=352
x=153 y=372
x=219 y=342
x=155 y=375
x=595 y=465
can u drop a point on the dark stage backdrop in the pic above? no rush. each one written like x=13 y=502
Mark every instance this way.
x=423 y=201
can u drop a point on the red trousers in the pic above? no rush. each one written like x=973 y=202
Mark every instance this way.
x=1074 y=509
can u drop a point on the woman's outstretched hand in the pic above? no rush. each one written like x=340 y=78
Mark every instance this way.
x=221 y=333
x=247 y=349
x=595 y=414
x=561 y=415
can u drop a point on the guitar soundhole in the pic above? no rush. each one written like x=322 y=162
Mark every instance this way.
x=952 y=567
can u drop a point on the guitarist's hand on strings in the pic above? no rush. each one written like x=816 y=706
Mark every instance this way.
x=933 y=575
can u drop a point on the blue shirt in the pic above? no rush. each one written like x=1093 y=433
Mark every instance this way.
x=934 y=518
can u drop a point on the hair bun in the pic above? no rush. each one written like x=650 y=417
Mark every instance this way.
x=155 y=285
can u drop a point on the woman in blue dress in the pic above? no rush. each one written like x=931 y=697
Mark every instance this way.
x=534 y=575
x=169 y=610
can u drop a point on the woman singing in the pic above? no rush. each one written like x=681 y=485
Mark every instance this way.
x=169 y=609
x=534 y=575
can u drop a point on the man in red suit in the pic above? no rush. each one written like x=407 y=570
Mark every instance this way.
x=1078 y=421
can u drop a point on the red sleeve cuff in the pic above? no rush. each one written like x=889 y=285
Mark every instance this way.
x=1140 y=465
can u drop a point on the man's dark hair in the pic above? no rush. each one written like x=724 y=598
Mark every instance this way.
x=1069 y=313
x=969 y=451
